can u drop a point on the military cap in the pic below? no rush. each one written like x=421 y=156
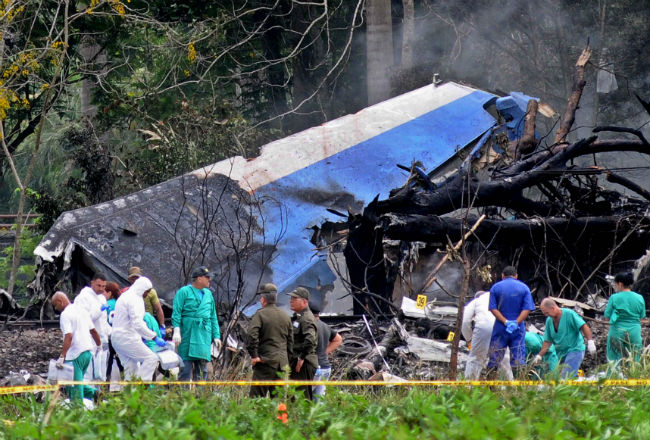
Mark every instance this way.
x=300 y=292
x=268 y=288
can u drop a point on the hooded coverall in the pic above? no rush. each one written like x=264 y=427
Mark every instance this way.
x=129 y=329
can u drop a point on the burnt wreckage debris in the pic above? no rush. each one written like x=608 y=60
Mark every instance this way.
x=548 y=211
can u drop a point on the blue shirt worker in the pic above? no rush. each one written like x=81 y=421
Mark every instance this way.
x=563 y=328
x=510 y=303
x=196 y=328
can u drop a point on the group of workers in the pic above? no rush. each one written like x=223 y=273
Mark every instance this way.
x=299 y=345
x=119 y=325
x=499 y=316
x=106 y=323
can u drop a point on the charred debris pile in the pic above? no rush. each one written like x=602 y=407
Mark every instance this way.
x=561 y=211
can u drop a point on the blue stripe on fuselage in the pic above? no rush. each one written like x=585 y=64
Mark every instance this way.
x=357 y=174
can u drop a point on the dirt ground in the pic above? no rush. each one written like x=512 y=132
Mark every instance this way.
x=29 y=349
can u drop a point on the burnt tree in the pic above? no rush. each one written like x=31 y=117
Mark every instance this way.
x=547 y=213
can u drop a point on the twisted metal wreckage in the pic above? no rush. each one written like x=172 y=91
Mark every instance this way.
x=463 y=152
x=545 y=205
x=467 y=167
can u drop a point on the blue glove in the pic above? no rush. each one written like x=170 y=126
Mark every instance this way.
x=104 y=307
x=162 y=329
x=160 y=342
x=512 y=326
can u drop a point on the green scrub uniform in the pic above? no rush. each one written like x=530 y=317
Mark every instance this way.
x=624 y=310
x=196 y=315
x=534 y=344
x=567 y=338
x=152 y=325
x=80 y=365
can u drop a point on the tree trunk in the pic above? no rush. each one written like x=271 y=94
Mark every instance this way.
x=464 y=288
x=92 y=55
x=576 y=92
x=408 y=34
x=47 y=104
x=379 y=49
x=307 y=67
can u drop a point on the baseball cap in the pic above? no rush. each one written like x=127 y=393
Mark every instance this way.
x=201 y=271
x=134 y=271
x=300 y=292
x=268 y=288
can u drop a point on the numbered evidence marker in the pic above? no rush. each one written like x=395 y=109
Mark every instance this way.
x=421 y=301
x=450 y=337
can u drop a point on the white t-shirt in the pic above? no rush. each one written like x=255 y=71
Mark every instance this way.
x=75 y=320
x=92 y=302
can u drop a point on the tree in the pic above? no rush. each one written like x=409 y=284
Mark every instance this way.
x=379 y=42
x=25 y=72
x=165 y=89
x=553 y=216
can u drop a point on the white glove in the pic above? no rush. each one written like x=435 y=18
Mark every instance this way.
x=216 y=347
x=176 y=338
x=59 y=363
x=537 y=359
x=591 y=347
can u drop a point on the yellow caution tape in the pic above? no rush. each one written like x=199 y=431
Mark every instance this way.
x=27 y=389
x=343 y=383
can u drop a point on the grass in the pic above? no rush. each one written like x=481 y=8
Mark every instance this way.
x=560 y=412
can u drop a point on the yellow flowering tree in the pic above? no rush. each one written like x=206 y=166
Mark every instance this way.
x=37 y=68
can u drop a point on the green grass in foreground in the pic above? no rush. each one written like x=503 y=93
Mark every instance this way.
x=560 y=412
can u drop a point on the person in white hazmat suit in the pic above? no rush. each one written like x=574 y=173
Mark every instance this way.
x=478 y=311
x=92 y=300
x=129 y=329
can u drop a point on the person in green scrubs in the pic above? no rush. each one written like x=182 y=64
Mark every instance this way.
x=563 y=329
x=152 y=324
x=534 y=343
x=196 y=328
x=625 y=310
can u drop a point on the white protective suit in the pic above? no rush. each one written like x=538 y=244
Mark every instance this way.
x=128 y=330
x=478 y=311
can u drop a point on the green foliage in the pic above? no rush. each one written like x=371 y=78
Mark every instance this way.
x=84 y=176
x=560 y=412
x=26 y=272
